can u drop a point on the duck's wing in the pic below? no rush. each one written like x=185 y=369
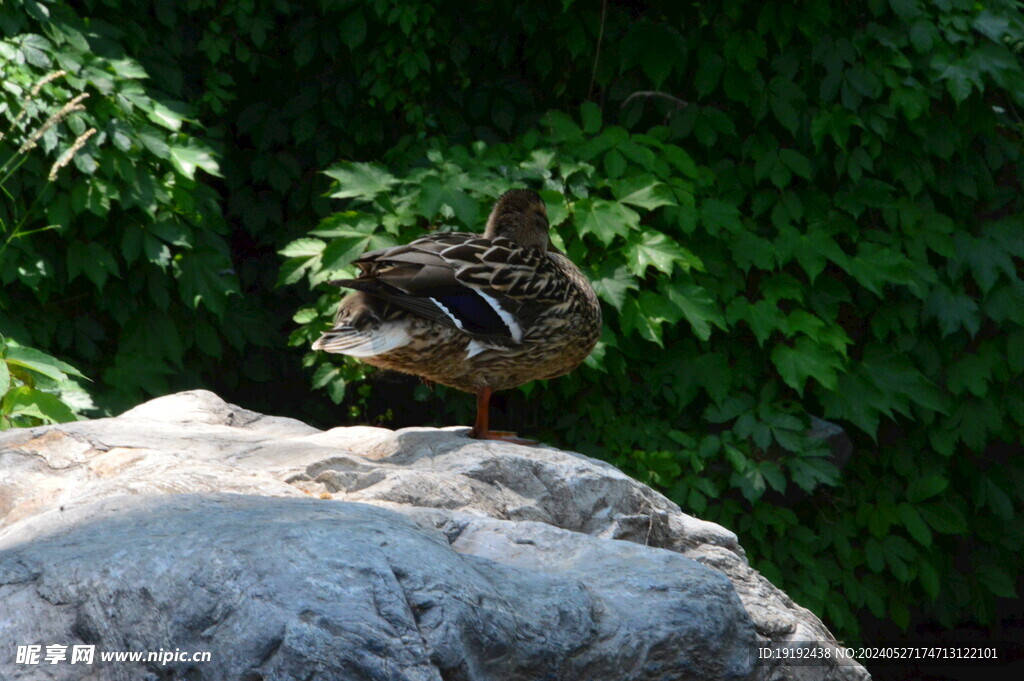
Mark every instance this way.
x=484 y=287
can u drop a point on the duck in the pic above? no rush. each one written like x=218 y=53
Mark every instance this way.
x=478 y=313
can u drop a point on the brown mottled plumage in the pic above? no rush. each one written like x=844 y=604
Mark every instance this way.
x=477 y=313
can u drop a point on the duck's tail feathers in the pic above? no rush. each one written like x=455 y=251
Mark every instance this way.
x=364 y=327
x=346 y=340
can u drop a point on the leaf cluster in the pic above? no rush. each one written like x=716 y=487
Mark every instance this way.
x=36 y=388
x=112 y=250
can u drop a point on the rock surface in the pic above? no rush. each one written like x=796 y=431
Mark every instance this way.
x=188 y=524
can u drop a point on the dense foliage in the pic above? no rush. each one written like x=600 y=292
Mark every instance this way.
x=790 y=211
x=112 y=250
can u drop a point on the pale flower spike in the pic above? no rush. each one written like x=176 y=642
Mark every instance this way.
x=73 y=105
x=66 y=157
x=50 y=77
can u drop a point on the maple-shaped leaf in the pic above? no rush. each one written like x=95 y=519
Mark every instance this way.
x=360 y=180
x=611 y=283
x=643 y=191
x=697 y=306
x=652 y=248
x=806 y=359
x=954 y=310
x=605 y=219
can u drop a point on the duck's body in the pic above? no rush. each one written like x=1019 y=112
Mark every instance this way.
x=477 y=313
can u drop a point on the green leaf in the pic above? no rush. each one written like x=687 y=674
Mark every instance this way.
x=169 y=115
x=811 y=250
x=808 y=472
x=591 y=115
x=556 y=207
x=127 y=68
x=874 y=555
x=614 y=164
x=716 y=215
x=801 y=321
x=784 y=97
x=915 y=524
x=187 y=159
x=346 y=246
x=324 y=374
x=923 y=35
x=994 y=26
x=208 y=339
x=637 y=153
x=662 y=48
x=806 y=359
x=643 y=191
x=605 y=219
x=682 y=161
x=998 y=500
x=633 y=318
x=360 y=180
x=895 y=375
x=697 y=306
x=709 y=72
x=39 y=362
x=155 y=337
x=154 y=142
x=1015 y=350
x=304 y=50
x=959 y=77
x=875 y=266
x=912 y=101
x=906 y=9
x=762 y=317
x=751 y=484
x=998 y=581
x=303 y=248
x=737 y=458
x=970 y=372
x=987 y=258
x=929 y=578
x=336 y=390
x=435 y=193
x=352 y=29
x=206 y=277
x=835 y=123
x=796 y=162
x=305 y=315
x=773 y=475
x=924 y=488
x=611 y=282
x=563 y=128
x=26 y=401
x=943 y=518
x=92 y=260
x=731 y=408
x=651 y=248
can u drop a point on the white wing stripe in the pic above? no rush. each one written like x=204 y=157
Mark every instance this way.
x=509 y=320
x=456 y=320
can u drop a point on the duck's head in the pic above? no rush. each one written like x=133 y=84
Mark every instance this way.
x=520 y=215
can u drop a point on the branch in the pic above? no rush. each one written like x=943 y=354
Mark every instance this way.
x=680 y=103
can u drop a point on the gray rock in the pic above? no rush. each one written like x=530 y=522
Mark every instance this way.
x=361 y=553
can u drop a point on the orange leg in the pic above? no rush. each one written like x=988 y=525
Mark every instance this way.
x=483 y=412
x=481 y=431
